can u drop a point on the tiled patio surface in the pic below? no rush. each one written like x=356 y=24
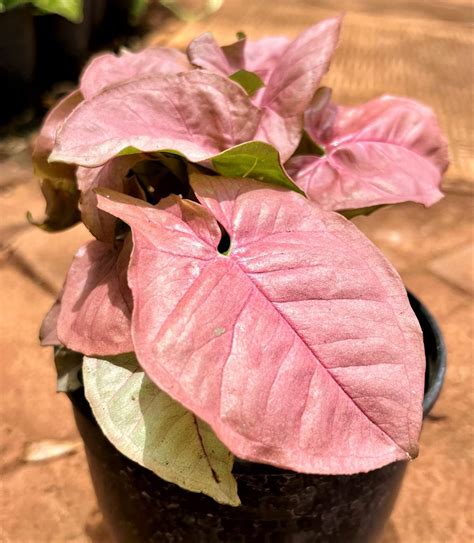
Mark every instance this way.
x=413 y=50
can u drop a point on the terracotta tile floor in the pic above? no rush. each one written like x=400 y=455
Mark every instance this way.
x=52 y=501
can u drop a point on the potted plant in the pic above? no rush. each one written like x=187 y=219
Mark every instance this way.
x=233 y=325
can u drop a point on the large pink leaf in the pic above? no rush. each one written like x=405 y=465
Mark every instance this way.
x=386 y=151
x=299 y=348
x=197 y=114
x=96 y=303
x=108 y=69
x=291 y=72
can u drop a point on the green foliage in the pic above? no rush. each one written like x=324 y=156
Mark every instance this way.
x=255 y=160
x=307 y=146
x=155 y=431
x=248 y=80
x=351 y=213
x=69 y=9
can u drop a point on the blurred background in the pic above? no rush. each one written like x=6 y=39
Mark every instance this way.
x=415 y=48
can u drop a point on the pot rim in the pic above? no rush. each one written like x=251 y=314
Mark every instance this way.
x=435 y=352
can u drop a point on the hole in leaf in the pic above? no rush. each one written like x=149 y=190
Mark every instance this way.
x=225 y=243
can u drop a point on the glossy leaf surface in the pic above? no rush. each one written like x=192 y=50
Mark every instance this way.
x=254 y=160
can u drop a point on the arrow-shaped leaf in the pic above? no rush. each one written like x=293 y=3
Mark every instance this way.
x=298 y=347
x=255 y=160
x=155 y=431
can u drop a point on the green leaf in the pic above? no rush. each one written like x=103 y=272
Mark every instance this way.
x=250 y=81
x=10 y=4
x=240 y=35
x=256 y=160
x=351 y=213
x=137 y=9
x=68 y=367
x=307 y=146
x=69 y=9
x=155 y=431
x=189 y=15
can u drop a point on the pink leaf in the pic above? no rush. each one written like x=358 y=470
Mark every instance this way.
x=197 y=114
x=110 y=175
x=386 y=151
x=284 y=133
x=205 y=52
x=291 y=72
x=109 y=69
x=48 y=332
x=260 y=57
x=304 y=62
x=299 y=348
x=96 y=303
x=295 y=79
x=45 y=141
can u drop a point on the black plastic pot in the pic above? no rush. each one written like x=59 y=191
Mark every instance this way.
x=278 y=506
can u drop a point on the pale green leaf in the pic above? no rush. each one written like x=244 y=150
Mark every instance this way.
x=180 y=9
x=255 y=160
x=249 y=81
x=152 y=429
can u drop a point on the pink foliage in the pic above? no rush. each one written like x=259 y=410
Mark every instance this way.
x=111 y=175
x=386 y=151
x=291 y=72
x=298 y=345
x=109 y=69
x=96 y=303
x=299 y=348
x=196 y=113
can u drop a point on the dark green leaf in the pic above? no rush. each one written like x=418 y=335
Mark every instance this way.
x=351 y=213
x=255 y=160
x=137 y=9
x=307 y=146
